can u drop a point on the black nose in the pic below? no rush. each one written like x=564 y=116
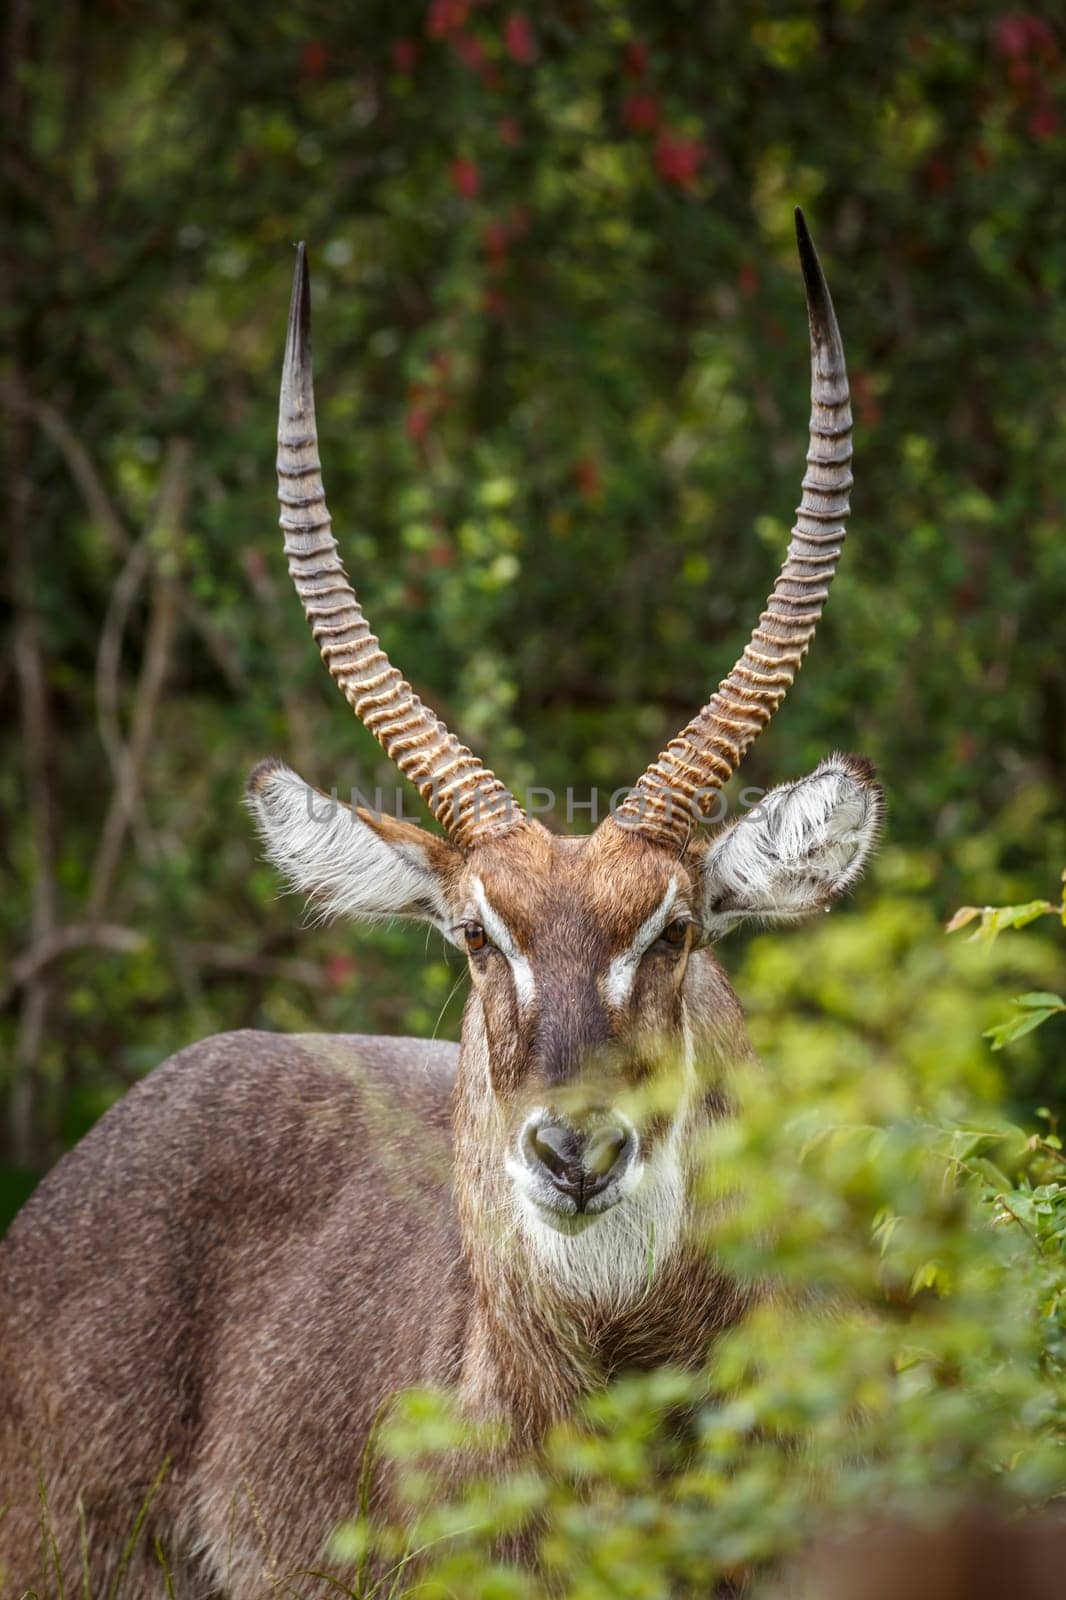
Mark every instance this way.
x=580 y=1165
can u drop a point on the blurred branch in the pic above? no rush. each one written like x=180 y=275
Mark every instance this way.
x=247 y=962
x=109 y=652
x=101 y=509
x=36 y=730
x=265 y=590
x=58 y=429
x=27 y=649
x=128 y=760
x=77 y=937
x=62 y=216
x=62 y=941
x=18 y=25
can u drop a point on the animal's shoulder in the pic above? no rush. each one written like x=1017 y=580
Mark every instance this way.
x=246 y=1125
x=284 y=1076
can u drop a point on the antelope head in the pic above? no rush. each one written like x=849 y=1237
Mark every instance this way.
x=590 y=957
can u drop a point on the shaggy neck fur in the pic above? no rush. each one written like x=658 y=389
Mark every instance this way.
x=556 y=1315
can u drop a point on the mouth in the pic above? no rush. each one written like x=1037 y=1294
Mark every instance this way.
x=569 y=1223
x=561 y=1212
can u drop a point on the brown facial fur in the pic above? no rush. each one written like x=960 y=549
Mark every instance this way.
x=572 y=905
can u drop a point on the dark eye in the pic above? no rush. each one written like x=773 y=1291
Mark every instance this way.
x=475 y=936
x=675 y=933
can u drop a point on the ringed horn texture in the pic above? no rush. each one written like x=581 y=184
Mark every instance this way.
x=681 y=785
x=468 y=800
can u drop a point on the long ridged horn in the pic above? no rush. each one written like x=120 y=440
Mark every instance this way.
x=468 y=800
x=681 y=785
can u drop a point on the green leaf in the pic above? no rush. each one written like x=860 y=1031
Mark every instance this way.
x=1005 y=1032
x=996 y=919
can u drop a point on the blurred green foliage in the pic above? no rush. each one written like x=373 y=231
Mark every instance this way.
x=906 y=1358
x=562 y=375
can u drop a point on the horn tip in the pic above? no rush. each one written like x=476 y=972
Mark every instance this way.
x=298 y=341
x=819 y=304
x=812 y=271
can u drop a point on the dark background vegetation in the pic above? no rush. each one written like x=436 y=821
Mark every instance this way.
x=562 y=379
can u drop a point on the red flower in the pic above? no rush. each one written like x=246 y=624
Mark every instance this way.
x=1041 y=37
x=446 y=16
x=678 y=159
x=338 y=969
x=518 y=38
x=866 y=402
x=404 y=55
x=748 y=279
x=496 y=236
x=640 y=113
x=587 y=474
x=1023 y=34
x=417 y=422
x=508 y=130
x=440 y=555
x=635 y=58
x=1044 y=122
x=939 y=174
x=494 y=302
x=314 y=59
x=469 y=50
x=1010 y=36
x=466 y=178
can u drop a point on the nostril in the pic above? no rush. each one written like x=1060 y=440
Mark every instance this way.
x=579 y=1165
x=605 y=1151
x=555 y=1147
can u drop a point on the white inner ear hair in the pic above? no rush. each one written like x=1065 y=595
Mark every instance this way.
x=324 y=850
x=803 y=846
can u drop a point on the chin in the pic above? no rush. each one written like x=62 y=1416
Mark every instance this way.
x=569 y=1222
x=608 y=1257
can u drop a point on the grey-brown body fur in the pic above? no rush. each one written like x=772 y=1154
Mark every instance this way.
x=245 y=1257
x=200 y=1283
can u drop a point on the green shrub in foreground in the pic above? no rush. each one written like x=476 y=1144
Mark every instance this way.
x=908 y=1356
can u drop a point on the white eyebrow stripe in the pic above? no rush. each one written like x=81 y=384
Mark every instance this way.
x=497 y=929
x=501 y=936
x=618 y=981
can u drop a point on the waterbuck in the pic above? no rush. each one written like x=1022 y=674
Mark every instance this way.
x=207 y=1302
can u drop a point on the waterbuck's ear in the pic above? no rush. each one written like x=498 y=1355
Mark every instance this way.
x=801 y=848
x=350 y=862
